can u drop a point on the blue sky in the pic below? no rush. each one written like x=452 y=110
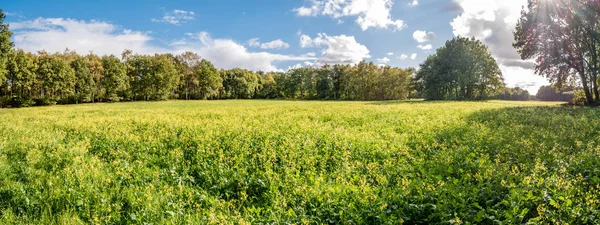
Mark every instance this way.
x=274 y=35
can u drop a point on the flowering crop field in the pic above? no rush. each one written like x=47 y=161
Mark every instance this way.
x=300 y=162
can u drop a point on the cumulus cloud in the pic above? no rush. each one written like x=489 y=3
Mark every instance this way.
x=493 y=22
x=403 y=57
x=423 y=36
x=369 y=13
x=275 y=44
x=413 y=56
x=175 y=17
x=340 y=49
x=56 y=34
x=390 y=53
x=425 y=47
x=383 y=60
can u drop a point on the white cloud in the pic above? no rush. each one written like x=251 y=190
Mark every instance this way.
x=413 y=56
x=305 y=41
x=56 y=34
x=227 y=54
x=253 y=42
x=403 y=57
x=390 y=53
x=276 y=44
x=340 y=49
x=423 y=36
x=413 y=3
x=383 y=60
x=493 y=22
x=369 y=13
x=311 y=54
x=176 y=17
x=425 y=47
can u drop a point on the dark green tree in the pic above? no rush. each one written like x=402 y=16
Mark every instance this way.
x=114 y=80
x=5 y=46
x=463 y=69
x=209 y=80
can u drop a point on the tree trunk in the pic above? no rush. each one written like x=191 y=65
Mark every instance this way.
x=588 y=94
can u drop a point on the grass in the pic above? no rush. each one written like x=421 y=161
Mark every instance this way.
x=248 y=162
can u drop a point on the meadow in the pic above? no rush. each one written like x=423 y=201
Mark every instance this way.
x=300 y=162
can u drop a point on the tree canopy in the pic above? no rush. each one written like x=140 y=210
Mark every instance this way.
x=563 y=37
x=462 y=69
x=5 y=45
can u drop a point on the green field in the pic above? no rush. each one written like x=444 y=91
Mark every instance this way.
x=246 y=161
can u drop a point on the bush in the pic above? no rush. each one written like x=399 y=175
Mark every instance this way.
x=578 y=98
x=15 y=102
x=44 y=101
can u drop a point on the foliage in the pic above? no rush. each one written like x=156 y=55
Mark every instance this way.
x=114 y=79
x=5 y=45
x=21 y=73
x=549 y=93
x=463 y=69
x=284 y=162
x=57 y=78
x=563 y=36
x=239 y=83
x=85 y=84
x=517 y=94
x=209 y=79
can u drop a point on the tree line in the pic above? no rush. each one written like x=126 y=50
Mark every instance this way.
x=67 y=78
x=44 y=78
x=462 y=69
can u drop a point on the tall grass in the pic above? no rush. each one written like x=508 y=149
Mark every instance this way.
x=247 y=162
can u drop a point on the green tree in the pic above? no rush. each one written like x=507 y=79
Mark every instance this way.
x=85 y=84
x=5 y=45
x=186 y=64
x=164 y=77
x=463 y=69
x=97 y=72
x=114 y=80
x=269 y=86
x=563 y=36
x=21 y=73
x=209 y=80
x=239 y=83
x=56 y=77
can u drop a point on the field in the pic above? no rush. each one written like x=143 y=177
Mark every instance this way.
x=248 y=162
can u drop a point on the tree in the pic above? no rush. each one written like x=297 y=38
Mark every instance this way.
x=563 y=36
x=186 y=64
x=97 y=72
x=515 y=94
x=21 y=73
x=549 y=93
x=239 y=83
x=85 y=84
x=56 y=77
x=164 y=77
x=115 y=79
x=463 y=69
x=5 y=45
x=208 y=79
x=270 y=88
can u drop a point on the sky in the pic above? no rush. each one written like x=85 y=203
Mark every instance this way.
x=275 y=35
